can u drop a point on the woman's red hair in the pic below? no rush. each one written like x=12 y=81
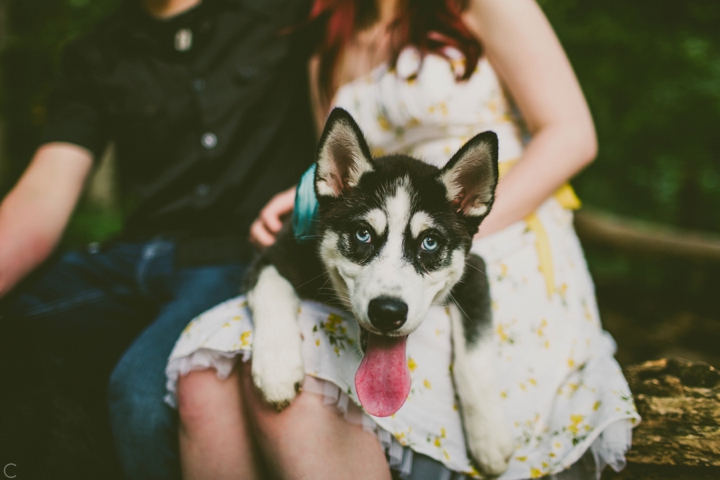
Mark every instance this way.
x=428 y=25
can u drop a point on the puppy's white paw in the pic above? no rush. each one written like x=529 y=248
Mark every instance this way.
x=278 y=376
x=277 y=364
x=490 y=446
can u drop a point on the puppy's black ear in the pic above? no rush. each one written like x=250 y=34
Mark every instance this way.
x=470 y=177
x=343 y=155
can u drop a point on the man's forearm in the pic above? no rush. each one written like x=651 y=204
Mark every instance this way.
x=22 y=248
x=35 y=213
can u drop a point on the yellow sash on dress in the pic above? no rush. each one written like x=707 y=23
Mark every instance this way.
x=567 y=198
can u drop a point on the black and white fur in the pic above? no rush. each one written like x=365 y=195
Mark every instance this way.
x=396 y=231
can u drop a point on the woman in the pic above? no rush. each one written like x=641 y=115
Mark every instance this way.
x=421 y=77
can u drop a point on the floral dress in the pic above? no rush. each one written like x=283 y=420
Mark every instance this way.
x=562 y=391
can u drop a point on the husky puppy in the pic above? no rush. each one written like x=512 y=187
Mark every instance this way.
x=394 y=237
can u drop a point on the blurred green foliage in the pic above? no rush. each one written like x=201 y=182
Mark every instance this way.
x=651 y=74
x=37 y=32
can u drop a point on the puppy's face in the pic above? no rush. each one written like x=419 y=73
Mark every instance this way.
x=395 y=231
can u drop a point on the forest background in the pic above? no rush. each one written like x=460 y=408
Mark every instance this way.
x=651 y=74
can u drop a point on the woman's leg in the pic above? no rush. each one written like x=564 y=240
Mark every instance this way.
x=309 y=441
x=214 y=439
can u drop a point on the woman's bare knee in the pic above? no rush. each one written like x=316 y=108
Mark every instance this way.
x=199 y=394
x=308 y=440
x=213 y=435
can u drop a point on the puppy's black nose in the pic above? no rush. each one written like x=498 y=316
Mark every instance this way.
x=387 y=313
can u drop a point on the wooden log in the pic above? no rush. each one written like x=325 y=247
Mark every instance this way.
x=679 y=436
x=630 y=234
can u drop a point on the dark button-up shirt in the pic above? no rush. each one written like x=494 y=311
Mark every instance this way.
x=209 y=110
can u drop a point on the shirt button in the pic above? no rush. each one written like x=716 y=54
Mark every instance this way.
x=198 y=84
x=183 y=40
x=202 y=190
x=209 y=140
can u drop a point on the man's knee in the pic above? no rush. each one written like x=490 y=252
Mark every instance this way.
x=143 y=426
x=120 y=385
x=135 y=399
x=135 y=384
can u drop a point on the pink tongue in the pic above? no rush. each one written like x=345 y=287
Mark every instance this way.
x=383 y=379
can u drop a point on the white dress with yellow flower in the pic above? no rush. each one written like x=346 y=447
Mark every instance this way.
x=562 y=391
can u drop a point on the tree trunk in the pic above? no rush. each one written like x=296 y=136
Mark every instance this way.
x=646 y=238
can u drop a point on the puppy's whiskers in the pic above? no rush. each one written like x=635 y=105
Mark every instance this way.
x=477 y=269
x=457 y=304
x=313 y=279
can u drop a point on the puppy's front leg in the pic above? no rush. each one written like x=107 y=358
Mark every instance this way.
x=277 y=364
x=486 y=432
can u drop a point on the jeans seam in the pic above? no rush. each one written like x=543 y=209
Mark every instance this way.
x=82 y=299
x=156 y=248
x=147 y=256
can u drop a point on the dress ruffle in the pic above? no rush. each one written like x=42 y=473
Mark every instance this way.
x=399 y=458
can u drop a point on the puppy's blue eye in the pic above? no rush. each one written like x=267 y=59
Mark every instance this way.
x=363 y=235
x=430 y=244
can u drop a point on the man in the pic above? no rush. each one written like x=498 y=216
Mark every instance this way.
x=207 y=106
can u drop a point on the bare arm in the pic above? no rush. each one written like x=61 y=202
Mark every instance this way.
x=524 y=50
x=35 y=213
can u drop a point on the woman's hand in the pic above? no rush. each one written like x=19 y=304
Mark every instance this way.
x=265 y=228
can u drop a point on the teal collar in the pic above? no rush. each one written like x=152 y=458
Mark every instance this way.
x=306 y=214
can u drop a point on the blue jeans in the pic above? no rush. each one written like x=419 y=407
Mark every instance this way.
x=88 y=307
